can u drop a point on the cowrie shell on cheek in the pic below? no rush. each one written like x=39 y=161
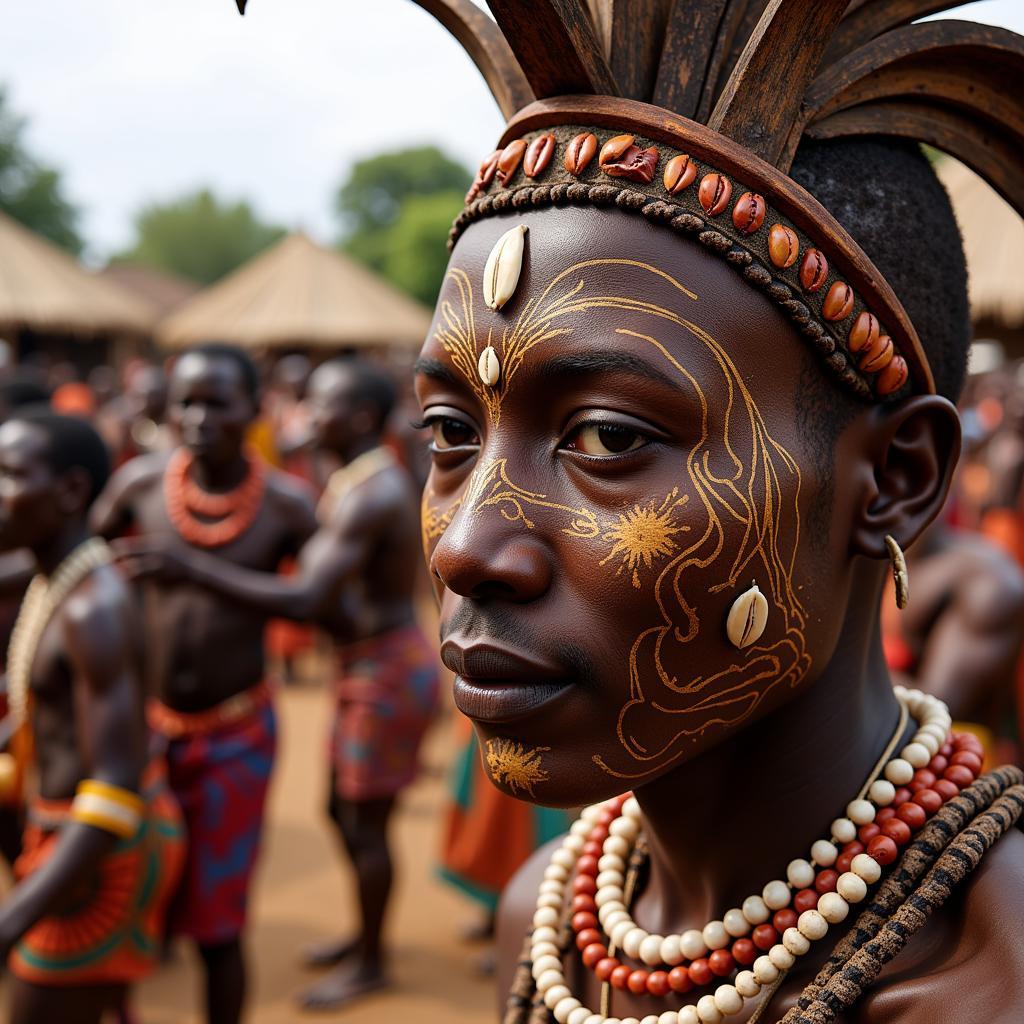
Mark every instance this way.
x=748 y=617
x=489 y=366
x=503 y=267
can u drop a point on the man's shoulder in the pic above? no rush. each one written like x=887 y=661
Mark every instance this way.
x=515 y=913
x=139 y=474
x=966 y=965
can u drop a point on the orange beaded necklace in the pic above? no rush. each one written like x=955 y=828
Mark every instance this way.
x=233 y=512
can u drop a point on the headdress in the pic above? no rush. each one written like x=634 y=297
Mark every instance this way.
x=689 y=112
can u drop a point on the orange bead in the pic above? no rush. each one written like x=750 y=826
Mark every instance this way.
x=805 y=899
x=603 y=968
x=883 y=850
x=913 y=814
x=764 y=936
x=897 y=830
x=929 y=799
x=783 y=919
x=657 y=983
x=700 y=972
x=968 y=759
x=960 y=775
x=946 y=789
x=679 y=980
x=825 y=881
x=637 y=982
x=594 y=954
x=721 y=963
x=868 y=832
x=620 y=977
x=744 y=952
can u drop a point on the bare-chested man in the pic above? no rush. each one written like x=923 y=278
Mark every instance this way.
x=104 y=846
x=357 y=576
x=205 y=653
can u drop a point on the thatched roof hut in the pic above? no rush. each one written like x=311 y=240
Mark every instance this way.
x=299 y=295
x=159 y=289
x=994 y=246
x=45 y=291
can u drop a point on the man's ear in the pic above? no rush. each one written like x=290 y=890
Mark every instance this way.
x=73 y=490
x=914 y=446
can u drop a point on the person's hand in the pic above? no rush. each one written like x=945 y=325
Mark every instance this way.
x=150 y=558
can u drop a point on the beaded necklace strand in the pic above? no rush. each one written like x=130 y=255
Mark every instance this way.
x=879 y=820
x=232 y=512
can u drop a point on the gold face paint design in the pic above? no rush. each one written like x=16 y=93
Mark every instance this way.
x=645 y=535
x=746 y=484
x=513 y=765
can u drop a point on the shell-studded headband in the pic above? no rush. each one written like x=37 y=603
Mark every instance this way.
x=690 y=112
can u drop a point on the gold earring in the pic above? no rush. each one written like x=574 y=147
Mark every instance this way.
x=747 y=617
x=900 y=574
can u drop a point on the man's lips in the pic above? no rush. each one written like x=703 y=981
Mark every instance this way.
x=493 y=684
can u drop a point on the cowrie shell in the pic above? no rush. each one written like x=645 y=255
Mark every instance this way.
x=503 y=266
x=489 y=366
x=748 y=617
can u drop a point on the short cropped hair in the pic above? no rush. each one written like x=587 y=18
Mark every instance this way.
x=72 y=443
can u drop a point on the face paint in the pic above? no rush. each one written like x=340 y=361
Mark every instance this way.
x=515 y=767
x=730 y=514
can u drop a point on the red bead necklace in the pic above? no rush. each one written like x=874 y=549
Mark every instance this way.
x=955 y=767
x=233 y=512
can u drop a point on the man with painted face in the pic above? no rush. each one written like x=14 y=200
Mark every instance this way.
x=103 y=847
x=205 y=655
x=691 y=381
x=356 y=576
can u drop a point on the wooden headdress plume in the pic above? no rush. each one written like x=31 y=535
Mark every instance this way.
x=694 y=110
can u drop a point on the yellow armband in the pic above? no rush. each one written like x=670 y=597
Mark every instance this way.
x=115 y=810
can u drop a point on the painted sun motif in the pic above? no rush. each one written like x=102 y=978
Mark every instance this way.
x=643 y=535
x=514 y=765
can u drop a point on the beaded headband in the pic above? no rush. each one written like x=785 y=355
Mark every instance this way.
x=690 y=112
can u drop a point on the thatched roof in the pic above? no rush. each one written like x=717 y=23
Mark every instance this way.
x=44 y=289
x=159 y=289
x=993 y=243
x=299 y=294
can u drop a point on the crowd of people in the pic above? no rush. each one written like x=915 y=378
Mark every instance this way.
x=155 y=536
x=150 y=531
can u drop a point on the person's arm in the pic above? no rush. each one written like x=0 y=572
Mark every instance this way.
x=112 y=512
x=971 y=652
x=96 y=623
x=335 y=553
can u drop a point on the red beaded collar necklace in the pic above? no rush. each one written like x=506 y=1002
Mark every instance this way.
x=225 y=516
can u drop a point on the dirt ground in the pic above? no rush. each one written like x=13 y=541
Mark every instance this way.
x=302 y=895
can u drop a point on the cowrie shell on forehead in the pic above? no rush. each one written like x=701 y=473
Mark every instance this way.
x=503 y=266
x=489 y=366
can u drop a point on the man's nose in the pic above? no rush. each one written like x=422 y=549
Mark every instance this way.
x=483 y=555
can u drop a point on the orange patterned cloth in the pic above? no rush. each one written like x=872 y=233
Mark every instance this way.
x=110 y=930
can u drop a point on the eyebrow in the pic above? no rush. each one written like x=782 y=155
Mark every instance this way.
x=435 y=369
x=604 y=362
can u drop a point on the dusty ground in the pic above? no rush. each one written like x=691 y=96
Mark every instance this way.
x=302 y=895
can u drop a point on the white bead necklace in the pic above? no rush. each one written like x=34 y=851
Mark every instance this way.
x=44 y=596
x=934 y=724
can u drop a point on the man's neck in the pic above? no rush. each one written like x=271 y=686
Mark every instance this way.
x=220 y=476
x=49 y=556
x=358 y=446
x=724 y=825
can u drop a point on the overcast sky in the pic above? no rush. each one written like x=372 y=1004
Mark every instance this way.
x=140 y=100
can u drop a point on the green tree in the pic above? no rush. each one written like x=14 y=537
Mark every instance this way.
x=396 y=209
x=372 y=196
x=199 y=236
x=416 y=255
x=31 y=192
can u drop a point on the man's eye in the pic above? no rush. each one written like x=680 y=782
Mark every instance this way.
x=606 y=439
x=449 y=433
